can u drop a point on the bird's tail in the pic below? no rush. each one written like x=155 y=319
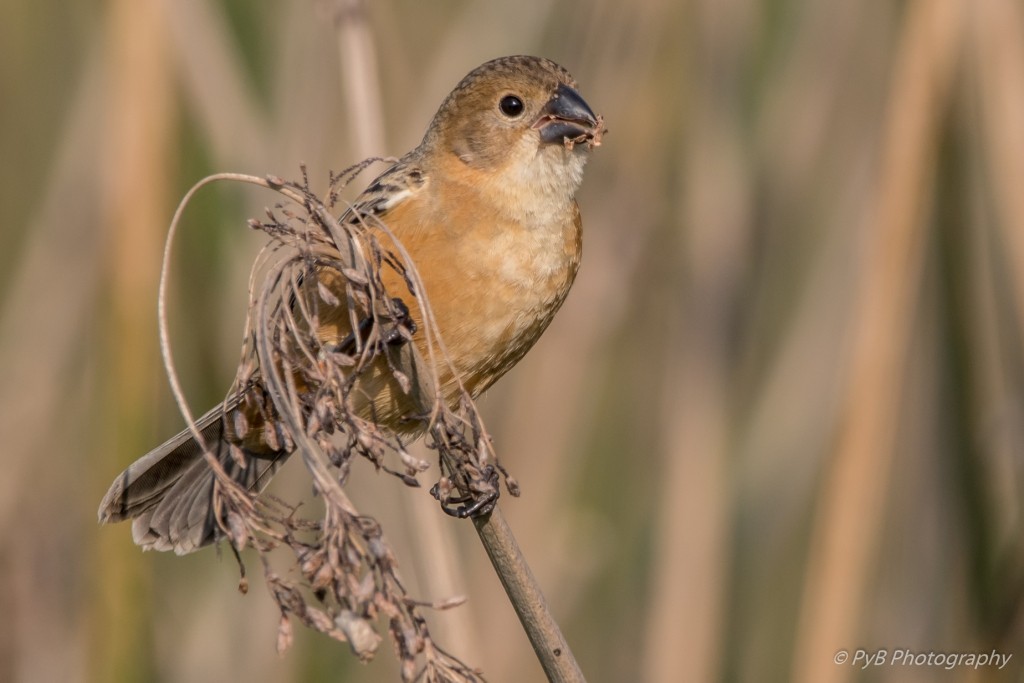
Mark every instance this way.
x=168 y=493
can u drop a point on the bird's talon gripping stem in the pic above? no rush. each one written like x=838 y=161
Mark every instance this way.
x=476 y=504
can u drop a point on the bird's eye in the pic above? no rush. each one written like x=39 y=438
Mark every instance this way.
x=511 y=106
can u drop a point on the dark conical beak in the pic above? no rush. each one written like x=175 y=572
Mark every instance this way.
x=566 y=116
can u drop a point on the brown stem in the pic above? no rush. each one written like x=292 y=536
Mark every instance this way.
x=525 y=595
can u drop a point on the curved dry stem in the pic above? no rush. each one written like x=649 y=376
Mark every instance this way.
x=165 y=267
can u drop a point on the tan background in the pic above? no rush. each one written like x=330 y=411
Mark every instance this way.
x=781 y=414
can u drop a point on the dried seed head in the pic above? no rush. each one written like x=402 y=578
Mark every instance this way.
x=347 y=572
x=284 y=634
x=359 y=633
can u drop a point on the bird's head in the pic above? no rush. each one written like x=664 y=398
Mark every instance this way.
x=520 y=122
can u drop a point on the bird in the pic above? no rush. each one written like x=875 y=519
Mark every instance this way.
x=485 y=207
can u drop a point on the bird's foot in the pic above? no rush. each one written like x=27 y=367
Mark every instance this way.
x=480 y=501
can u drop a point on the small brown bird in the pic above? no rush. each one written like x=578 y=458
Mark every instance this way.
x=485 y=207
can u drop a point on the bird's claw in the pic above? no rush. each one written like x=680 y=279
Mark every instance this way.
x=477 y=504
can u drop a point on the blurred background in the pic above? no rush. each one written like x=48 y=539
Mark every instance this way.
x=781 y=414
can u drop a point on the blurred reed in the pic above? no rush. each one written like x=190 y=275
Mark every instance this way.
x=137 y=164
x=855 y=486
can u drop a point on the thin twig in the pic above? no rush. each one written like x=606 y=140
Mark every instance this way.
x=524 y=593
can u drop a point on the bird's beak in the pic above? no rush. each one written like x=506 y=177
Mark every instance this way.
x=567 y=118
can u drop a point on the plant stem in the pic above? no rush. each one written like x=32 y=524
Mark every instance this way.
x=525 y=595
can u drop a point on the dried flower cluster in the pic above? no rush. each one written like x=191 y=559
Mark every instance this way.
x=343 y=579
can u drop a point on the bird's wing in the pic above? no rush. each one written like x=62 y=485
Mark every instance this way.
x=381 y=208
x=389 y=190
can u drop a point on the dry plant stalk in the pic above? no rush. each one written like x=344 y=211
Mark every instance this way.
x=345 y=574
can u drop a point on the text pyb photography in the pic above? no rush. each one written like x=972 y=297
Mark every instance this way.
x=906 y=657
